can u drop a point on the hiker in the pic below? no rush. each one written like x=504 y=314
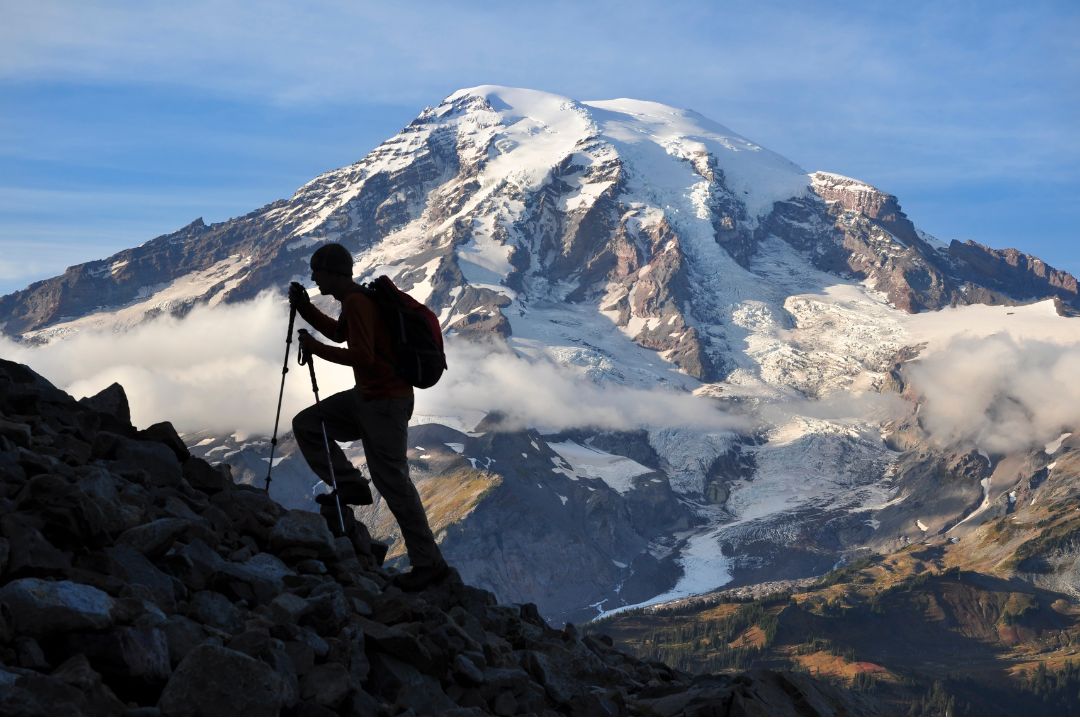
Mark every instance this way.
x=376 y=411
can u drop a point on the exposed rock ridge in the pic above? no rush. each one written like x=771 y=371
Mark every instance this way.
x=850 y=227
x=136 y=579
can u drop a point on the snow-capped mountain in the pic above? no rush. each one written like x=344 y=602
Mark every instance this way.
x=641 y=246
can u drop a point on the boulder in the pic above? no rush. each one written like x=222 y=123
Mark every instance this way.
x=288 y=608
x=201 y=475
x=49 y=607
x=215 y=610
x=194 y=564
x=165 y=433
x=153 y=538
x=33 y=694
x=328 y=685
x=77 y=672
x=157 y=460
x=299 y=530
x=409 y=688
x=183 y=635
x=257 y=580
x=216 y=681
x=247 y=510
x=111 y=401
x=16 y=432
x=28 y=550
x=127 y=655
x=131 y=566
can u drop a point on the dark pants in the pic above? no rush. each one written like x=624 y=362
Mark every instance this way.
x=383 y=427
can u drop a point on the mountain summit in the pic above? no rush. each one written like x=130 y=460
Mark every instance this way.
x=642 y=247
x=501 y=196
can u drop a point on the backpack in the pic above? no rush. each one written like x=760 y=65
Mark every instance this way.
x=414 y=331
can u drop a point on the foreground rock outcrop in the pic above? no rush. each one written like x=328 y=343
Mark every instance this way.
x=137 y=579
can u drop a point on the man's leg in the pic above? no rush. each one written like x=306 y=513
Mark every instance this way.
x=339 y=412
x=385 y=425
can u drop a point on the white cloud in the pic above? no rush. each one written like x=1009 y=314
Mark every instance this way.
x=217 y=368
x=1003 y=379
x=220 y=369
x=541 y=394
x=997 y=377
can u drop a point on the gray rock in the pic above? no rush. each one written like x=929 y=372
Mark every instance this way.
x=556 y=678
x=136 y=654
x=311 y=566
x=319 y=647
x=359 y=666
x=131 y=566
x=194 y=564
x=288 y=608
x=183 y=635
x=408 y=687
x=215 y=610
x=157 y=460
x=328 y=684
x=258 y=579
x=165 y=433
x=48 y=607
x=30 y=654
x=29 y=552
x=395 y=641
x=282 y=663
x=154 y=538
x=111 y=401
x=246 y=511
x=216 y=681
x=328 y=609
x=302 y=530
x=18 y=433
x=99 y=699
x=466 y=672
x=201 y=475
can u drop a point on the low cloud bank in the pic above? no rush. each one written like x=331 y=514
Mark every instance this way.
x=550 y=397
x=1002 y=378
x=219 y=369
x=1005 y=381
x=999 y=393
x=215 y=369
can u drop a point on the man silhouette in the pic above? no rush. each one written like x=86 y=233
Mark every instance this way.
x=376 y=411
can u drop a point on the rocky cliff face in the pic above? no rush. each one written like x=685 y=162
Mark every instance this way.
x=135 y=578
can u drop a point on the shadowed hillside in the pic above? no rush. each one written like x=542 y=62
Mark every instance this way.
x=920 y=636
x=137 y=579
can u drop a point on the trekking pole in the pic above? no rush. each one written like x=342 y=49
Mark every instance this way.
x=304 y=358
x=281 y=393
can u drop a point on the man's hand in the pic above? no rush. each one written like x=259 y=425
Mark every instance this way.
x=308 y=345
x=298 y=296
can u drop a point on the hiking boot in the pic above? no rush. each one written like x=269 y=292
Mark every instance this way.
x=422 y=577
x=351 y=493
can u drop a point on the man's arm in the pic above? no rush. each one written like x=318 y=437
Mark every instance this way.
x=360 y=353
x=326 y=325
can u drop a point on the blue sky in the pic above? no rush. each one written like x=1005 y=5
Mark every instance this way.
x=124 y=120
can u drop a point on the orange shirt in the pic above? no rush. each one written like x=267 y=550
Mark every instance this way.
x=369 y=351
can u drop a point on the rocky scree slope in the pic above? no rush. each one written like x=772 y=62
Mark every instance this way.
x=138 y=579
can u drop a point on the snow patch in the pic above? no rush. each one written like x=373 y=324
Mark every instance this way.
x=616 y=471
